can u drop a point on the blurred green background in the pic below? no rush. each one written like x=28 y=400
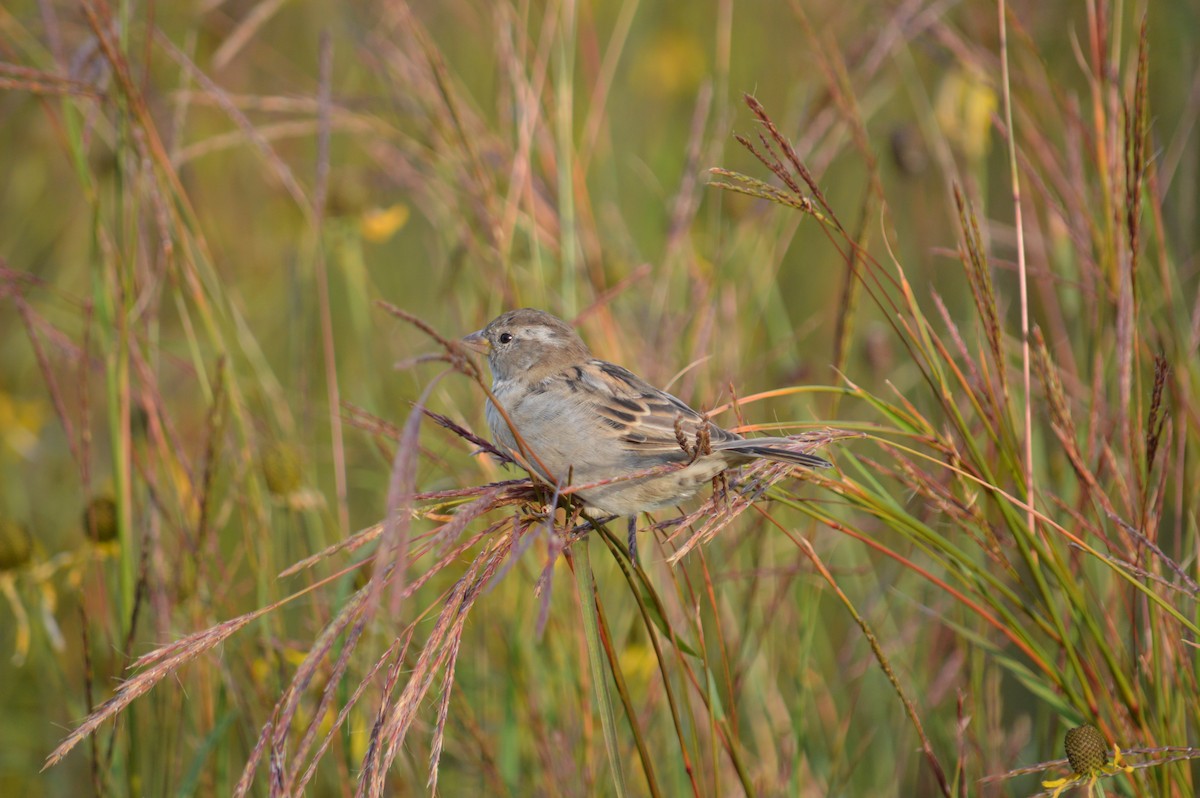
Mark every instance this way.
x=170 y=223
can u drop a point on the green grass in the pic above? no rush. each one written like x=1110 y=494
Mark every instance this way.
x=237 y=244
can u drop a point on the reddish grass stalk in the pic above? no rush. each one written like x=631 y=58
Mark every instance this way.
x=1014 y=177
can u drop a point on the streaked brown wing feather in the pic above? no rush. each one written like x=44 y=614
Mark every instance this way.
x=644 y=415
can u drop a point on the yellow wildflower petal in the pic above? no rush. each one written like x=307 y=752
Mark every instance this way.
x=671 y=65
x=379 y=224
x=1058 y=785
x=1117 y=763
x=963 y=107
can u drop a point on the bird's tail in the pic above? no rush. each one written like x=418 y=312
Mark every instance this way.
x=778 y=449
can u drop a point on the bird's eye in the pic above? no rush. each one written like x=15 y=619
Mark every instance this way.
x=505 y=338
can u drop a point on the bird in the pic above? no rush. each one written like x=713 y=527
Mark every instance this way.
x=570 y=415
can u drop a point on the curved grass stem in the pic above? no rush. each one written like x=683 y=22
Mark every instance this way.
x=586 y=586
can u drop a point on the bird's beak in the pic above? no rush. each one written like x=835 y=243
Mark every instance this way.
x=478 y=342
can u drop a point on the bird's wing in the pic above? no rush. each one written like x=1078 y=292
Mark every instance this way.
x=648 y=421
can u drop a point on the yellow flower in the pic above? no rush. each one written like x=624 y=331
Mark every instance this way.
x=1087 y=752
x=638 y=661
x=20 y=423
x=379 y=224
x=963 y=107
x=669 y=66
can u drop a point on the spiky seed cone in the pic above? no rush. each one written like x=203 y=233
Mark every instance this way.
x=16 y=547
x=281 y=468
x=100 y=519
x=1087 y=750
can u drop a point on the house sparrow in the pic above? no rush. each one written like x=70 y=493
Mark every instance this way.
x=582 y=418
